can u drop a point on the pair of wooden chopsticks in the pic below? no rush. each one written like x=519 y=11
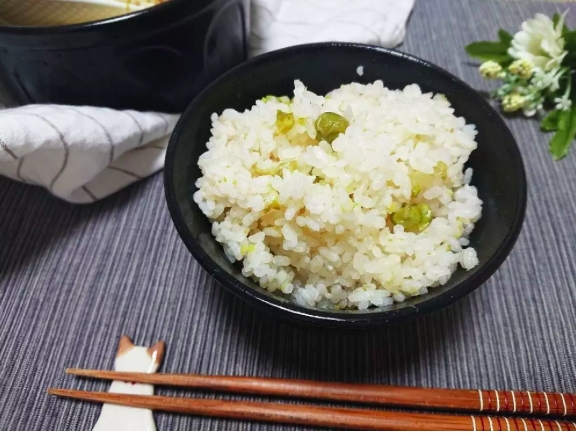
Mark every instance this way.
x=477 y=401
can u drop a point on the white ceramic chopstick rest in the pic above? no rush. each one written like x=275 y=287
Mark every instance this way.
x=136 y=359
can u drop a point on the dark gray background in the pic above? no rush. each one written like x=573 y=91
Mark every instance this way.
x=74 y=278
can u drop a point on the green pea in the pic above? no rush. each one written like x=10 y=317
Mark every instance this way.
x=414 y=218
x=441 y=169
x=284 y=121
x=329 y=126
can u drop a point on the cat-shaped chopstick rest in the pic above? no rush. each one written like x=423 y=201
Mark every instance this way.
x=137 y=359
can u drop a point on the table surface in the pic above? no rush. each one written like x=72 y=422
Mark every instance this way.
x=74 y=278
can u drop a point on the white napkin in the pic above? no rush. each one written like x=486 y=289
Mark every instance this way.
x=83 y=154
x=280 y=23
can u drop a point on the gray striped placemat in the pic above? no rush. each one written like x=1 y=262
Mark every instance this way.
x=74 y=278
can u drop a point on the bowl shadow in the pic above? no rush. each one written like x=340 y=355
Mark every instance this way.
x=316 y=353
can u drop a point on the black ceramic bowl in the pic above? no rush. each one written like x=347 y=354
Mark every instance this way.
x=155 y=59
x=498 y=169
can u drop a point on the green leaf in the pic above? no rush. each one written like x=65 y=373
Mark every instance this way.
x=486 y=50
x=550 y=122
x=570 y=46
x=489 y=50
x=505 y=37
x=555 y=20
x=569 y=39
x=562 y=140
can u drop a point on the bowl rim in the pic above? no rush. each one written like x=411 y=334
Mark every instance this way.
x=89 y=25
x=327 y=318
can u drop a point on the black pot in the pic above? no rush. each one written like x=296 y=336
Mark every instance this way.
x=498 y=170
x=156 y=59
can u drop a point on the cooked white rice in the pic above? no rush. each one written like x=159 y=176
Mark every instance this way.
x=312 y=220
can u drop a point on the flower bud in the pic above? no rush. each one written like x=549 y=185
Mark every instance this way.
x=513 y=102
x=490 y=69
x=523 y=68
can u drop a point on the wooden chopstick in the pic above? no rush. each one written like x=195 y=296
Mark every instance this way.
x=351 y=419
x=516 y=402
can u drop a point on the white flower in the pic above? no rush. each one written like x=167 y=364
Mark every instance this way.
x=529 y=112
x=532 y=109
x=540 y=42
x=543 y=80
x=563 y=103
